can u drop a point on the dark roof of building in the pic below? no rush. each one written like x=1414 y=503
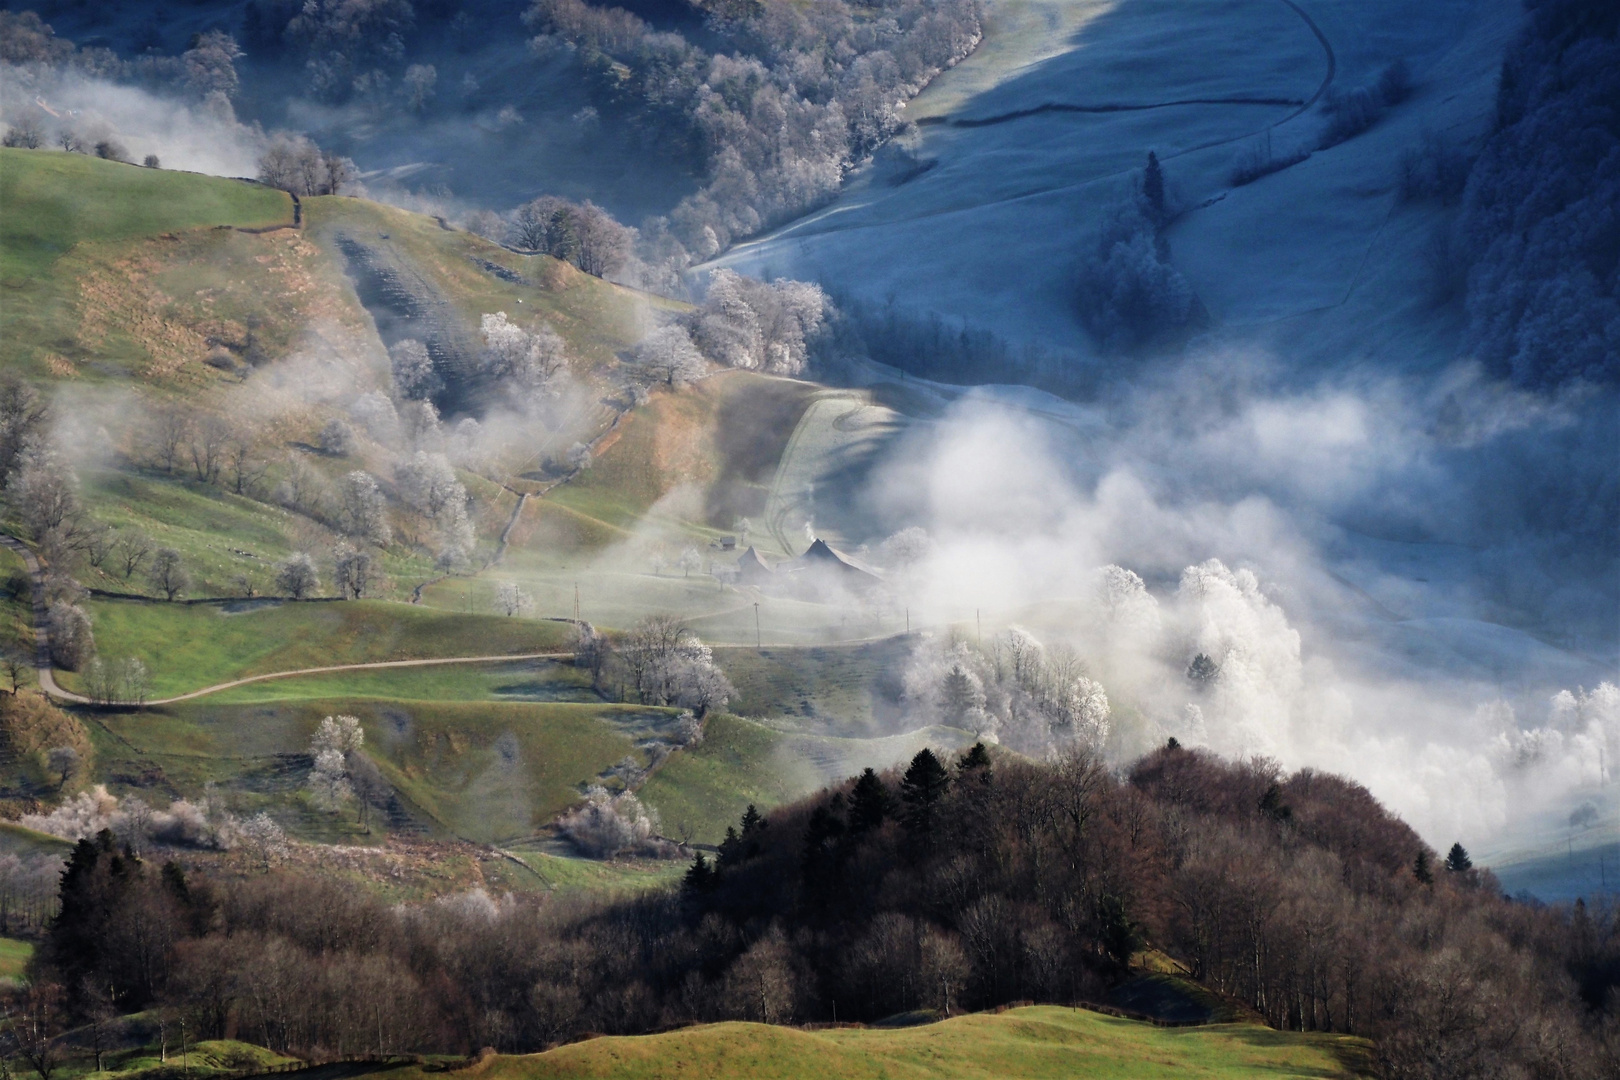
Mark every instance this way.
x=751 y=563
x=822 y=554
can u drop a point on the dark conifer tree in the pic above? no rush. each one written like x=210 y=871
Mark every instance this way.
x=976 y=757
x=1457 y=860
x=1153 y=187
x=921 y=789
x=869 y=803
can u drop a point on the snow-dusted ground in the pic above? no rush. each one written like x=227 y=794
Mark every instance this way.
x=991 y=232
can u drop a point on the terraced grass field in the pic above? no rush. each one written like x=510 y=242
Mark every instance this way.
x=1029 y=1043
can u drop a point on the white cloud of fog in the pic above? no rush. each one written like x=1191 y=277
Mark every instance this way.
x=1350 y=554
x=184 y=135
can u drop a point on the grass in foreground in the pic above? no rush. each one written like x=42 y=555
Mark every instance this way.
x=1036 y=1042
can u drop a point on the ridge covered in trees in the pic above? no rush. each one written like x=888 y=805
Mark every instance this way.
x=949 y=885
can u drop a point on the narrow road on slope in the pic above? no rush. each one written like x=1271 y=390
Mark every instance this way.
x=47 y=674
x=42 y=641
x=373 y=666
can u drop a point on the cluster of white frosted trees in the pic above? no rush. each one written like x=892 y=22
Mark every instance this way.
x=1030 y=696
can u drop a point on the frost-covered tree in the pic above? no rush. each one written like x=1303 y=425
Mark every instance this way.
x=668 y=356
x=373 y=411
x=1538 y=228
x=606 y=825
x=263 y=839
x=428 y=484
x=1130 y=296
x=363 y=510
x=529 y=359
x=758 y=326
x=412 y=364
x=510 y=599
x=336 y=438
x=335 y=742
x=294 y=164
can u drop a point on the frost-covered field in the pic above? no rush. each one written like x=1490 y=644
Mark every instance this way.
x=991 y=232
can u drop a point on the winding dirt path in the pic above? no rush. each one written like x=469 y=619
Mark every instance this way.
x=42 y=641
x=373 y=666
x=47 y=674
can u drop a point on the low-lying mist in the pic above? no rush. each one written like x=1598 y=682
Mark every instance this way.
x=1412 y=584
x=188 y=135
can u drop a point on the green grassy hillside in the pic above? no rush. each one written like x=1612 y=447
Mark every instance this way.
x=483 y=771
x=701 y=790
x=1028 y=1043
x=74 y=197
x=189 y=646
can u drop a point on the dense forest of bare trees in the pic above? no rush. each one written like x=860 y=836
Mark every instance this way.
x=951 y=884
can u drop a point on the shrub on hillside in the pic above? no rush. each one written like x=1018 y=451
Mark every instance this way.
x=1434 y=169
x=1258 y=160
x=1130 y=297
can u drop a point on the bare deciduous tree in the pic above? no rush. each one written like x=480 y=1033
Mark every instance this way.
x=24 y=418
x=132 y=547
x=167 y=433
x=355 y=571
x=64 y=762
x=297 y=577
x=168 y=574
x=206 y=447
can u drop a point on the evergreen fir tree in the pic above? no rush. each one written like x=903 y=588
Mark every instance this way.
x=1271 y=804
x=977 y=757
x=731 y=848
x=1153 y=187
x=1457 y=860
x=869 y=803
x=1420 y=868
x=700 y=878
x=921 y=789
